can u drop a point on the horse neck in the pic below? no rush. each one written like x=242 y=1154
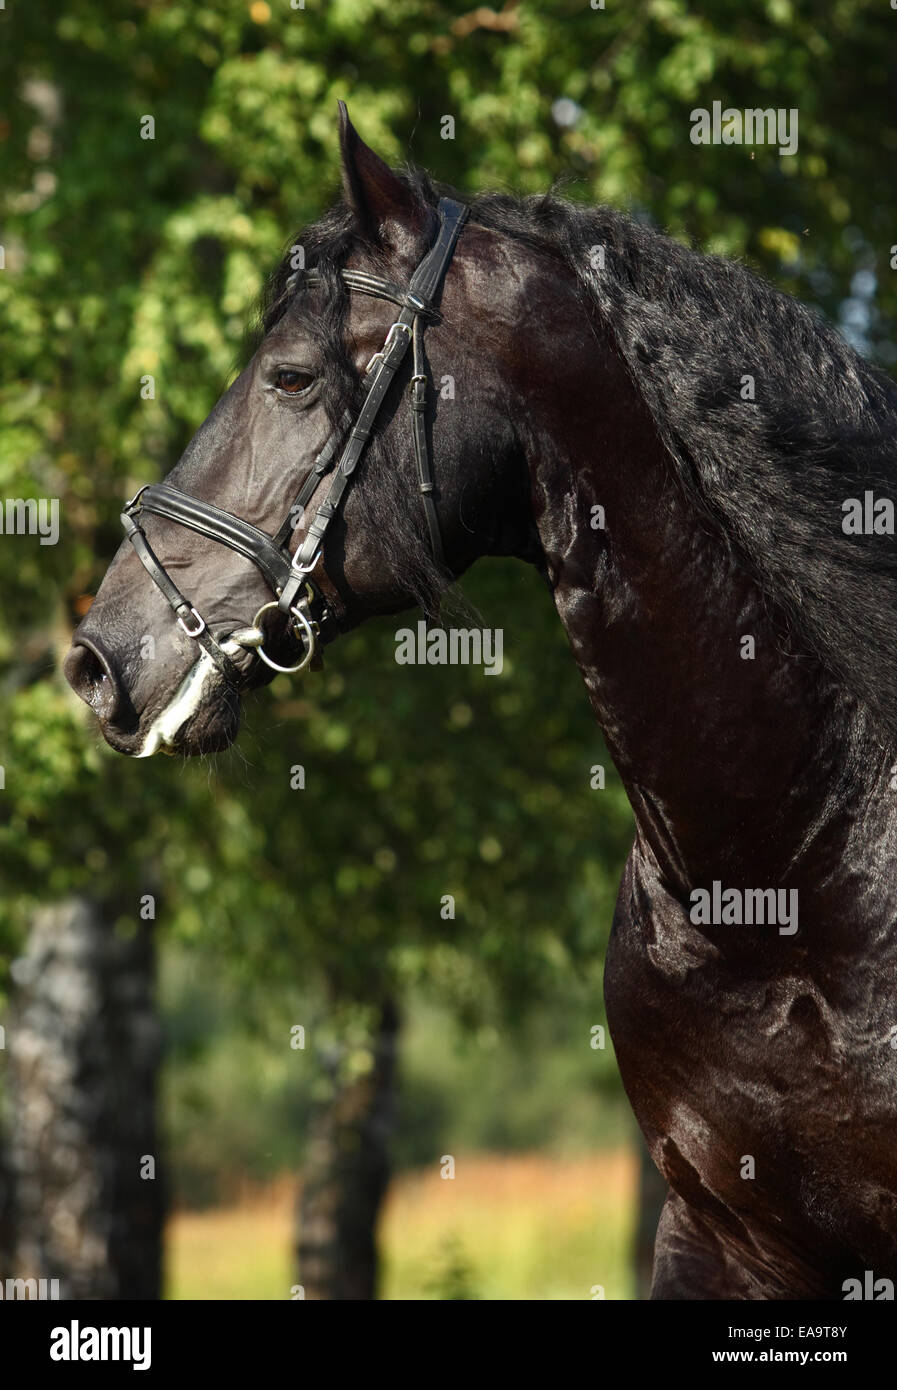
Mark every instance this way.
x=740 y=756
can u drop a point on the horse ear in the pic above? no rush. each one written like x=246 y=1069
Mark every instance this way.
x=384 y=208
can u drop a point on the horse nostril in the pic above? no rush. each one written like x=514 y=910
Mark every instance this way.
x=91 y=677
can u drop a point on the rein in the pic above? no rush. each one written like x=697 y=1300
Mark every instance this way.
x=298 y=596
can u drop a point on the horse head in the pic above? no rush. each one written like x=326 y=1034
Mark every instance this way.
x=311 y=499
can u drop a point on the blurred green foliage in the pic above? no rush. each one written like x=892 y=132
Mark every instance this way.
x=238 y=1100
x=126 y=256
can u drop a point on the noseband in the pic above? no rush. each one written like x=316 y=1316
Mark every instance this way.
x=298 y=596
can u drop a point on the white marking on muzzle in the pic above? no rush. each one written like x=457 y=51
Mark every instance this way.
x=166 y=726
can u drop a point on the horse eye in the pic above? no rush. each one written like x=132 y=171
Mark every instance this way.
x=292 y=382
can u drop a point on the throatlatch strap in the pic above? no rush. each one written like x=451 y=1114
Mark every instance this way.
x=421 y=451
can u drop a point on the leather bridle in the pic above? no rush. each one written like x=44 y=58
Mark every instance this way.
x=298 y=596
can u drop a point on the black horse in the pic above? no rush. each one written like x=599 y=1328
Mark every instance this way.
x=701 y=470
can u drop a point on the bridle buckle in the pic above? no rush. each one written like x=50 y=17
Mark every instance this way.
x=380 y=356
x=309 y=565
x=200 y=624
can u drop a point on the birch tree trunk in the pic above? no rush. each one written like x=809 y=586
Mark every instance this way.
x=83 y=1049
x=346 y=1176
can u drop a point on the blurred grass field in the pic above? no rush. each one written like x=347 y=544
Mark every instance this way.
x=516 y=1227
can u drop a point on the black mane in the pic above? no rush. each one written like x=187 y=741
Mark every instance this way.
x=771 y=473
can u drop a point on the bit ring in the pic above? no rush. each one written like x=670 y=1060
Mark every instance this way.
x=307 y=636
